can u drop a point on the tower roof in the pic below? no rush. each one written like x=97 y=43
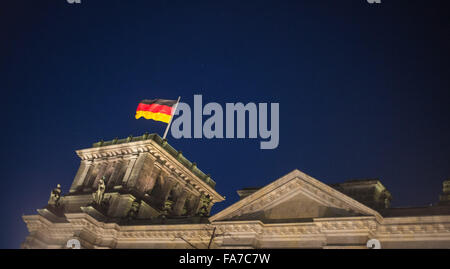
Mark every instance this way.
x=192 y=166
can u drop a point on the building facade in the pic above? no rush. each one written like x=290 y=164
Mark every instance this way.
x=142 y=193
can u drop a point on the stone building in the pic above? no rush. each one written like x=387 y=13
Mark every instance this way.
x=139 y=192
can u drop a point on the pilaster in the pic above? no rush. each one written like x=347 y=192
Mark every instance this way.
x=85 y=165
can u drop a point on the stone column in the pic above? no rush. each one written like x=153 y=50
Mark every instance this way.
x=179 y=204
x=110 y=168
x=81 y=175
x=90 y=177
x=198 y=203
x=210 y=206
x=141 y=177
x=133 y=159
x=119 y=177
x=103 y=164
x=115 y=173
x=153 y=178
x=193 y=204
x=136 y=170
x=167 y=187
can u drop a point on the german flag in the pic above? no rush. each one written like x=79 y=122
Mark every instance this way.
x=156 y=109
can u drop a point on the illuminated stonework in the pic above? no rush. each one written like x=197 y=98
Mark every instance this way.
x=155 y=198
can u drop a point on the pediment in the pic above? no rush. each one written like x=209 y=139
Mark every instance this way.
x=294 y=197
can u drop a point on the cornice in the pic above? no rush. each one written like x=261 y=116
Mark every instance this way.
x=287 y=185
x=158 y=153
x=317 y=229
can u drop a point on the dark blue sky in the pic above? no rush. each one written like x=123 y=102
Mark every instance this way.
x=363 y=89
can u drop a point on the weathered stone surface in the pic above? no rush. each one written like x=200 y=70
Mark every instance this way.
x=444 y=198
x=144 y=174
x=367 y=191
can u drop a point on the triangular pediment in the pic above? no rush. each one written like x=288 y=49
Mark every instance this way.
x=294 y=197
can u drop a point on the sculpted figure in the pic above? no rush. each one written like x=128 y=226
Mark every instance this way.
x=134 y=210
x=55 y=195
x=98 y=194
x=167 y=207
x=204 y=208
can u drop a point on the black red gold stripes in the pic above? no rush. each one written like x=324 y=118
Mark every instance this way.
x=156 y=109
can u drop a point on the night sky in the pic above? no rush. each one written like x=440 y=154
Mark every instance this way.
x=363 y=90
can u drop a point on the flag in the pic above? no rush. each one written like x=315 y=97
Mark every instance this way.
x=156 y=109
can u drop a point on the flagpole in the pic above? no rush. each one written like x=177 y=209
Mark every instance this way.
x=171 y=117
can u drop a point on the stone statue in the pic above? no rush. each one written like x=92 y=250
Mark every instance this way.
x=134 y=210
x=98 y=194
x=204 y=208
x=55 y=195
x=167 y=208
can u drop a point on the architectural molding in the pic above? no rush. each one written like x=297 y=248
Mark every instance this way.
x=285 y=187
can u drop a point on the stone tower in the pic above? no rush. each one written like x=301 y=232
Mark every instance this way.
x=367 y=191
x=131 y=181
x=145 y=170
x=444 y=198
